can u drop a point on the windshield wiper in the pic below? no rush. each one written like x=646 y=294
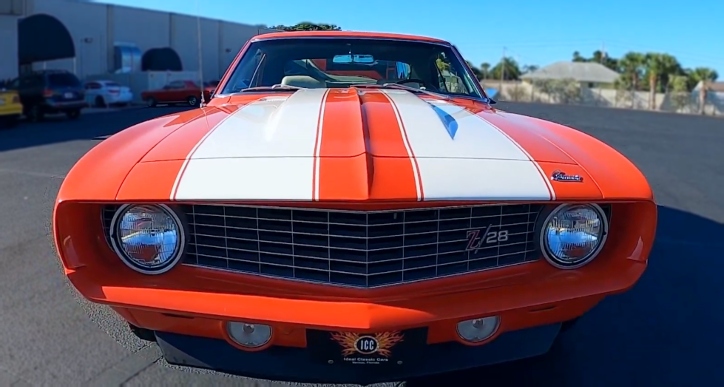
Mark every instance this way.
x=277 y=87
x=397 y=86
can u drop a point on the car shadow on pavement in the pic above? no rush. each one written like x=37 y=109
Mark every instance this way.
x=57 y=128
x=665 y=332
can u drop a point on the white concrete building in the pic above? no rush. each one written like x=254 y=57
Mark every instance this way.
x=103 y=38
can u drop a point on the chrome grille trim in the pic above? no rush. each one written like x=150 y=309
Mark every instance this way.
x=362 y=249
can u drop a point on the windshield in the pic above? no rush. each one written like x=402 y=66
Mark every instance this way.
x=342 y=62
x=63 y=80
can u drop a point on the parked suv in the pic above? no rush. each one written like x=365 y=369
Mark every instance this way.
x=50 y=91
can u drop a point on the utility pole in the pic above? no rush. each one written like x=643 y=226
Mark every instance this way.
x=201 y=55
x=603 y=53
x=502 y=71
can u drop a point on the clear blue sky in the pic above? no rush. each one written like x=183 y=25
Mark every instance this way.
x=533 y=31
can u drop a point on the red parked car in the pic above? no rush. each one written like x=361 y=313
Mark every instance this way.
x=176 y=92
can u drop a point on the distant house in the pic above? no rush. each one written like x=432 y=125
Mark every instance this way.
x=587 y=73
x=714 y=97
x=715 y=87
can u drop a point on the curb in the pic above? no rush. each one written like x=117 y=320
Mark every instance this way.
x=111 y=110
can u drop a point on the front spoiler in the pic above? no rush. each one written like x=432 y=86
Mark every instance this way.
x=299 y=365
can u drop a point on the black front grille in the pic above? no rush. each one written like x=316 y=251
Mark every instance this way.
x=359 y=248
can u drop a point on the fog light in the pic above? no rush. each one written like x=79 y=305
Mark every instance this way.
x=249 y=335
x=479 y=329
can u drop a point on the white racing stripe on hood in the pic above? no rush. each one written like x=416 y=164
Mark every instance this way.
x=264 y=150
x=463 y=157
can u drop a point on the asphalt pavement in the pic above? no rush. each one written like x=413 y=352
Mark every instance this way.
x=665 y=332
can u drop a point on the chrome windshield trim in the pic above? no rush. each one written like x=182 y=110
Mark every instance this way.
x=260 y=38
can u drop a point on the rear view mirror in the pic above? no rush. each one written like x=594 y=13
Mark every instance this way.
x=349 y=59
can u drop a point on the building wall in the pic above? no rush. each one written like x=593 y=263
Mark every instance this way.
x=220 y=42
x=232 y=38
x=141 y=27
x=9 y=51
x=96 y=27
x=88 y=25
x=185 y=41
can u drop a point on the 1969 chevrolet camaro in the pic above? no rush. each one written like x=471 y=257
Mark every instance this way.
x=350 y=207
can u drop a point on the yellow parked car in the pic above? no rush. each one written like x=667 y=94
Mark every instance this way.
x=10 y=107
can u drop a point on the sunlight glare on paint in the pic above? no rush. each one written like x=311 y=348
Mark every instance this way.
x=451 y=125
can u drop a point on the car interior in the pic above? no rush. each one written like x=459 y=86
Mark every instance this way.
x=304 y=73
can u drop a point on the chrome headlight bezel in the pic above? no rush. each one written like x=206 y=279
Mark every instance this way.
x=555 y=261
x=113 y=237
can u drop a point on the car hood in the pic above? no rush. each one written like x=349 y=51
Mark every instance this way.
x=348 y=144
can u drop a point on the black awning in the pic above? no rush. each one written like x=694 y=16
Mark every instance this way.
x=42 y=38
x=161 y=59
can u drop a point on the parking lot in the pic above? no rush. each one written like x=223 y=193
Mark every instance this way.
x=666 y=331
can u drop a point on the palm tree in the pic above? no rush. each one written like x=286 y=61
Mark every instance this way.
x=529 y=68
x=485 y=68
x=307 y=26
x=704 y=76
x=475 y=70
x=658 y=65
x=598 y=56
x=632 y=65
x=577 y=57
x=506 y=69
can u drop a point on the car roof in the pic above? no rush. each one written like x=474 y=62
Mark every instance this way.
x=347 y=34
x=52 y=71
x=36 y=73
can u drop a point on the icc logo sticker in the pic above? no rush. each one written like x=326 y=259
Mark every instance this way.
x=378 y=344
x=366 y=345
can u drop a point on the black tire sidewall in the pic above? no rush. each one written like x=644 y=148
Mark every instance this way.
x=100 y=101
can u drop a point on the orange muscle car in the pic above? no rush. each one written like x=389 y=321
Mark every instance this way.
x=318 y=227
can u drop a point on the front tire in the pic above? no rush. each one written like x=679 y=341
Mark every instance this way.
x=73 y=114
x=151 y=102
x=100 y=102
x=9 y=121
x=35 y=113
x=192 y=101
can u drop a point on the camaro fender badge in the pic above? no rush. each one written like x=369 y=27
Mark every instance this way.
x=562 y=177
x=378 y=344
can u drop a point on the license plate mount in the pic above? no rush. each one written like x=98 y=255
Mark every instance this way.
x=379 y=349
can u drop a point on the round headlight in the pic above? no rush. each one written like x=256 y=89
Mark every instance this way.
x=148 y=238
x=573 y=234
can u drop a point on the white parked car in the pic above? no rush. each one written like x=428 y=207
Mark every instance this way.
x=106 y=93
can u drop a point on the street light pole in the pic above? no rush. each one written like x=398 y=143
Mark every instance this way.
x=201 y=60
x=502 y=71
